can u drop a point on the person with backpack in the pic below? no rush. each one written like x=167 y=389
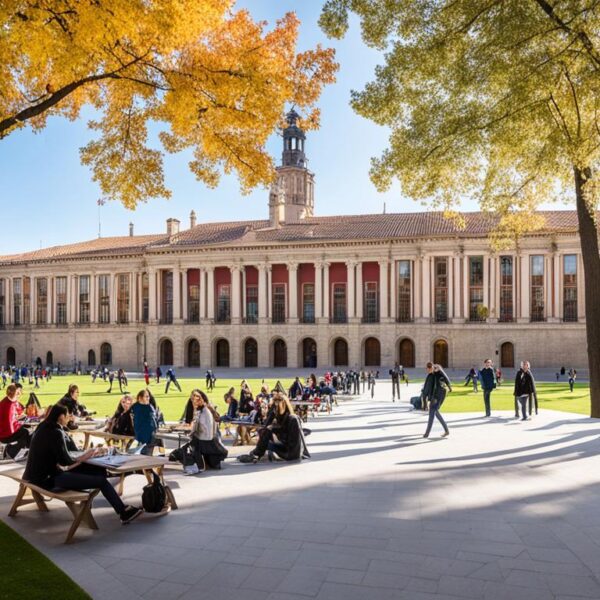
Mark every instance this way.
x=50 y=464
x=281 y=436
x=487 y=376
x=434 y=390
x=524 y=389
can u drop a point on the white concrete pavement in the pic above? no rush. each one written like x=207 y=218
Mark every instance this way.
x=499 y=510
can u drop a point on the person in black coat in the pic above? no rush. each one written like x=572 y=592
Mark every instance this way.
x=487 y=376
x=524 y=389
x=282 y=434
x=434 y=390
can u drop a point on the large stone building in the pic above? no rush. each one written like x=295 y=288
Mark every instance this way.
x=299 y=290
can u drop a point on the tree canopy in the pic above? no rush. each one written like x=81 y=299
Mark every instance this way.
x=492 y=100
x=215 y=78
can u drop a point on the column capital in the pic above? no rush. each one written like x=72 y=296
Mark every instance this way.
x=236 y=267
x=352 y=262
x=209 y=268
x=292 y=266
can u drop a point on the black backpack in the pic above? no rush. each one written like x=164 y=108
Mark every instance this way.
x=154 y=495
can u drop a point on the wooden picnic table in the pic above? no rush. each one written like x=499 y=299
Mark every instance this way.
x=123 y=441
x=313 y=405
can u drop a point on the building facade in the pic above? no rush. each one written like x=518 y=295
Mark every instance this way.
x=298 y=290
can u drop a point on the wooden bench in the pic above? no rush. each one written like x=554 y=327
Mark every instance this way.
x=78 y=502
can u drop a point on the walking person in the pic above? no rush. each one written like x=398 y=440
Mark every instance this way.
x=524 y=388
x=572 y=377
x=435 y=388
x=487 y=376
x=158 y=374
x=111 y=378
x=171 y=379
x=146 y=374
x=395 y=374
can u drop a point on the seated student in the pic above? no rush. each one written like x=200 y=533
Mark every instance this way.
x=145 y=423
x=188 y=412
x=246 y=399
x=296 y=389
x=232 y=410
x=121 y=423
x=12 y=433
x=281 y=435
x=159 y=415
x=207 y=447
x=51 y=465
x=255 y=417
x=71 y=399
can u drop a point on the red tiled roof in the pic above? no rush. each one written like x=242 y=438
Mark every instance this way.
x=332 y=228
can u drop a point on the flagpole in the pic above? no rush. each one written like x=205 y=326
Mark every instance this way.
x=100 y=204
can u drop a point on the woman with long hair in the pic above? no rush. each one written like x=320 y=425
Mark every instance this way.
x=121 y=422
x=435 y=388
x=145 y=422
x=50 y=464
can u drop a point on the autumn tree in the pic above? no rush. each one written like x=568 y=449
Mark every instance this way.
x=492 y=100
x=216 y=79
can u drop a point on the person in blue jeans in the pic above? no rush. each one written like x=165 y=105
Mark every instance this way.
x=434 y=390
x=145 y=422
x=487 y=376
x=171 y=379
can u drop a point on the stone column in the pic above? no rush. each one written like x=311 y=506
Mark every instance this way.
x=326 y=291
x=557 y=314
x=33 y=300
x=465 y=288
x=50 y=297
x=235 y=294
x=176 y=296
x=351 y=295
x=417 y=288
x=486 y=281
x=525 y=288
x=93 y=300
x=451 y=285
x=293 y=292
x=210 y=293
x=548 y=288
x=184 y=295
x=493 y=289
x=202 y=292
x=393 y=291
x=318 y=290
x=262 y=294
x=244 y=315
x=152 y=313
x=69 y=298
x=383 y=290
x=132 y=296
x=359 y=312
x=269 y=293
x=580 y=290
x=426 y=289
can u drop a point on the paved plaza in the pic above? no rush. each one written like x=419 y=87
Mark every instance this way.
x=499 y=510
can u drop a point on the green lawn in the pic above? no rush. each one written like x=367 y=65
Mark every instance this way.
x=555 y=396
x=96 y=398
x=27 y=573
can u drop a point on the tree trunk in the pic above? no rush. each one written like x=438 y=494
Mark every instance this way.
x=588 y=235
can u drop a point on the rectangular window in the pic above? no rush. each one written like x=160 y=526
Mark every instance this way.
x=476 y=288
x=537 y=288
x=27 y=299
x=251 y=304
x=371 y=303
x=278 y=303
x=506 y=289
x=103 y=298
x=61 y=300
x=339 y=313
x=84 y=299
x=308 y=303
x=570 y=288
x=17 y=295
x=145 y=297
x=404 y=291
x=166 y=315
x=194 y=303
x=224 y=303
x=2 y=301
x=123 y=298
x=42 y=300
x=440 y=274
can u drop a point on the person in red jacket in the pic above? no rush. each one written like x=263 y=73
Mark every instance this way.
x=12 y=433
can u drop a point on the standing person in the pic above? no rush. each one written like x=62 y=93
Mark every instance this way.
x=145 y=422
x=572 y=377
x=363 y=378
x=158 y=374
x=171 y=379
x=434 y=390
x=111 y=378
x=16 y=437
x=51 y=465
x=395 y=374
x=208 y=379
x=524 y=388
x=146 y=374
x=487 y=376
x=372 y=387
x=122 y=380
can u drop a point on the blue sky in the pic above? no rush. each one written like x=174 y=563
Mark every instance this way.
x=47 y=197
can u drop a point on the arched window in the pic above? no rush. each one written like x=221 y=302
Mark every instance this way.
x=49 y=358
x=11 y=357
x=106 y=354
x=340 y=353
x=279 y=353
x=250 y=353
x=406 y=353
x=440 y=353
x=372 y=352
x=166 y=352
x=222 y=351
x=309 y=353
x=507 y=355
x=91 y=358
x=193 y=353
